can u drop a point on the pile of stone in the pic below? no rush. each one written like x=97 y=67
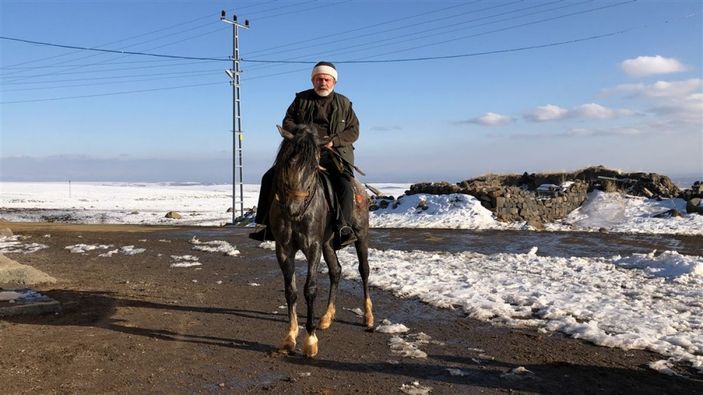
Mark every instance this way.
x=534 y=199
x=381 y=202
x=546 y=197
x=513 y=198
x=694 y=198
x=649 y=185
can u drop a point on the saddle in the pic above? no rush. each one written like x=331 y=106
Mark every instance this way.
x=331 y=195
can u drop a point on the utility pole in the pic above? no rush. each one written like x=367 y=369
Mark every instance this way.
x=237 y=134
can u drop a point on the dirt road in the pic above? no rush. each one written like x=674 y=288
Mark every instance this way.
x=133 y=324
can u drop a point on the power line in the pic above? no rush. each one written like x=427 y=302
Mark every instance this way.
x=360 y=61
x=317 y=6
x=292 y=61
x=102 y=71
x=514 y=26
x=122 y=52
x=466 y=55
x=115 y=77
x=405 y=37
x=387 y=22
x=168 y=62
x=43 y=88
x=117 y=51
x=122 y=40
x=110 y=93
x=366 y=61
x=428 y=58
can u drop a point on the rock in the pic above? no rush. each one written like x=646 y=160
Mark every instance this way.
x=697 y=187
x=668 y=214
x=5 y=232
x=536 y=224
x=173 y=215
x=514 y=197
x=17 y=274
x=694 y=206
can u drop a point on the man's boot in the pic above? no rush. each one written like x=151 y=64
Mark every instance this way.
x=263 y=234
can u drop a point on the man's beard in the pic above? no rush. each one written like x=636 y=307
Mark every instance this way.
x=323 y=92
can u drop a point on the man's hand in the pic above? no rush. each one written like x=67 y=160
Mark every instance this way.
x=328 y=144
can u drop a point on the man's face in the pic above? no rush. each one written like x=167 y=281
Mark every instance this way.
x=323 y=84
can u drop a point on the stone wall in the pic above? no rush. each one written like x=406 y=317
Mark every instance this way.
x=515 y=197
x=694 y=198
x=514 y=203
x=517 y=204
x=597 y=177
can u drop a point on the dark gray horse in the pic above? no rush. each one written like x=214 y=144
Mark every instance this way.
x=301 y=220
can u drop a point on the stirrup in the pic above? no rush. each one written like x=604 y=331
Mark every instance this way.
x=346 y=236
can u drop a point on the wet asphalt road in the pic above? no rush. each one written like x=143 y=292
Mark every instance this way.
x=562 y=244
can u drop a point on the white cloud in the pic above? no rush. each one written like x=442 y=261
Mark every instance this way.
x=597 y=111
x=675 y=101
x=546 y=113
x=492 y=119
x=688 y=109
x=671 y=89
x=588 y=132
x=649 y=65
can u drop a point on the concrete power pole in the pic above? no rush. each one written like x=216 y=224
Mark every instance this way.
x=237 y=134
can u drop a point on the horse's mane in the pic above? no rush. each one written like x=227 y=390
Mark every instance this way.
x=298 y=155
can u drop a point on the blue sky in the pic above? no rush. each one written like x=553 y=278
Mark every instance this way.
x=537 y=86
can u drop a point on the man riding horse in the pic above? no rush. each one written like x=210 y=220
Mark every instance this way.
x=332 y=116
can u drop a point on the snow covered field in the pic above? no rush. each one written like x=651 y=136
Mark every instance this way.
x=206 y=205
x=645 y=301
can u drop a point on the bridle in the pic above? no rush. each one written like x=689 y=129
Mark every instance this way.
x=307 y=196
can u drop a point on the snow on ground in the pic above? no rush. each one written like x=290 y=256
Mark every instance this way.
x=642 y=301
x=458 y=211
x=121 y=203
x=206 y=205
x=220 y=246
x=631 y=214
x=17 y=244
x=184 y=261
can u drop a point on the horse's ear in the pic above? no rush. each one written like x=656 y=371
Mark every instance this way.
x=286 y=134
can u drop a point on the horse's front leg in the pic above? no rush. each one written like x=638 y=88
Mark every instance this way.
x=313 y=256
x=287 y=263
x=335 y=271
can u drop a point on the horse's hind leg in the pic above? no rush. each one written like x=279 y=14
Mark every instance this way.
x=335 y=271
x=362 y=252
x=287 y=265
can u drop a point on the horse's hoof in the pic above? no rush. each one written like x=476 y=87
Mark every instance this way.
x=288 y=345
x=369 y=323
x=325 y=323
x=368 y=314
x=310 y=347
x=326 y=320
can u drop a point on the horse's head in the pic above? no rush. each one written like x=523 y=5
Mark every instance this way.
x=300 y=146
x=303 y=131
x=299 y=154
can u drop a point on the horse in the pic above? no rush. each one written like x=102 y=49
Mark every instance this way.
x=301 y=220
